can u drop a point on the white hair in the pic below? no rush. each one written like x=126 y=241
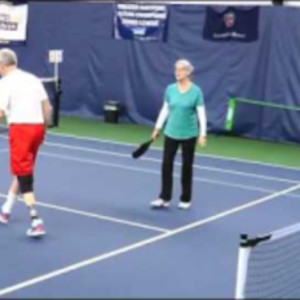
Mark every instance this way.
x=8 y=57
x=185 y=64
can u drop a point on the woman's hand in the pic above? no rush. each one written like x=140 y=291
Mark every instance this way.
x=155 y=134
x=202 y=141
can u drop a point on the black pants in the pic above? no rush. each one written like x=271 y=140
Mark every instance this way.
x=188 y=152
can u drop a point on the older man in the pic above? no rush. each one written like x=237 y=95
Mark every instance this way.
x=24 y=102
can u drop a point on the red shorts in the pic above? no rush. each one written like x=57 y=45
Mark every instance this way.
x=25 y=141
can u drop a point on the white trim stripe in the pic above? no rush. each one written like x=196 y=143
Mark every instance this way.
x=97 y=216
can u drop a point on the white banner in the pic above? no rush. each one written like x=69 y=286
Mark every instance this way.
x=13 y=22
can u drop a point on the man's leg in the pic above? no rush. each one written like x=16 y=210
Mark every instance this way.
x=10 y=201
x=26 y=188
x=24 y=144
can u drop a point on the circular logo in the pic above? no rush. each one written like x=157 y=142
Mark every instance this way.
x=229 y=19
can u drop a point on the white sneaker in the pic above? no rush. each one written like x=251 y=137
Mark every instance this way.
x=184 y=205
x=4 y=218
x=37 y=228
x=159 y=203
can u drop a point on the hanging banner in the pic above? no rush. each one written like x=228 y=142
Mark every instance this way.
x=143 y=22
x=13 y=22
x=233 y=24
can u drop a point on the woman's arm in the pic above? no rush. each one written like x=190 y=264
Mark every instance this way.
x=163 y=115
x=202 y=120
x=203 y=125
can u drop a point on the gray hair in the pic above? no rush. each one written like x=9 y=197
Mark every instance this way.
x=8 y=57
x=185 y=64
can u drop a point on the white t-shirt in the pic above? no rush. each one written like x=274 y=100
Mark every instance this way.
x=21 y=97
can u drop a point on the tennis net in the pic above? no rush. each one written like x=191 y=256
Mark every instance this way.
x=262 y=119
x=269 y=265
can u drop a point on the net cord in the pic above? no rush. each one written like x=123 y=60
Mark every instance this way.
x=284 y=232
x=267 y=104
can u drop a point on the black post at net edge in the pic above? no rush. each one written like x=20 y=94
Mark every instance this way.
x=57 y=104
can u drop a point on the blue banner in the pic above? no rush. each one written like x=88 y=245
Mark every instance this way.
x=143 y=22
x=232 y=24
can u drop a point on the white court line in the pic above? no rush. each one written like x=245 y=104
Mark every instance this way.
x=125 y=167
x=143 y=243
x=117 y=154
x=149 y=171
x=97 y=216
x=4 y=150
x=155 y=160
x=242 y=160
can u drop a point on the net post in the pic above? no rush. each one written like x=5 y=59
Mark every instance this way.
x=230 y=114
x=242 y=266
x=57 y=103
x=56 y=71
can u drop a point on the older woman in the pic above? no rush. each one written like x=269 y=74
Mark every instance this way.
x=183 y=110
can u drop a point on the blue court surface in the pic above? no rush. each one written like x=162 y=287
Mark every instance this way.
x=103 y=240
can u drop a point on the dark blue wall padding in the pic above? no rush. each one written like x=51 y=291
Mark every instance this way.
x=98 y=68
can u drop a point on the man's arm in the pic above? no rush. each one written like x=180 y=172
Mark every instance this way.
x=46 y=105
x=47 y=112
x=2 y=115
x=4 y=100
